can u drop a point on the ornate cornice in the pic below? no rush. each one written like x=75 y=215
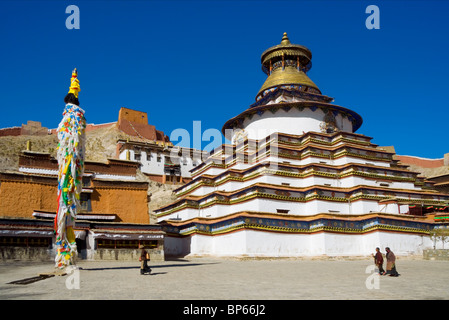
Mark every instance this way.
x=306 y=194
x=297 y=224
x=300 y=172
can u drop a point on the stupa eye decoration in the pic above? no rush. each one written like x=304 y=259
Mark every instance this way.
x=329 y=124
x=239 y=136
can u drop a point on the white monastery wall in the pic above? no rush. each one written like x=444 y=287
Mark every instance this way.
x=153 y=162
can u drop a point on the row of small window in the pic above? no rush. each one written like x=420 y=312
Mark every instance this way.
x=25 y=242
x=137 y=157
x=101 y=243
x=126 y=244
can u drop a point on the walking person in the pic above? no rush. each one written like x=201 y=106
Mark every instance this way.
x=144 y=258
x=379 y=261
x=391 y=263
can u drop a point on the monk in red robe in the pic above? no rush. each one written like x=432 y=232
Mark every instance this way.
x=379 y=261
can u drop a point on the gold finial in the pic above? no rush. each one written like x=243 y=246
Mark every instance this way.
x=74 y=83
x=285 y=39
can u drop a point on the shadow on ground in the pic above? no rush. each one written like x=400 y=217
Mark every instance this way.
x=137 y=266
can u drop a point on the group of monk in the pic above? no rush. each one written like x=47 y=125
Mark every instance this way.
x=391 y=262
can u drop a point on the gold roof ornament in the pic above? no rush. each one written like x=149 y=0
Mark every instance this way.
x=285 y=39
x=287 y=64
x=74 y=83
x=288 y=49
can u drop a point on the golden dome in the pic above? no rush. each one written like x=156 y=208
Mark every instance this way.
x=290 y=75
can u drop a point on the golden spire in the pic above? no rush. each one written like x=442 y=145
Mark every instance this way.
x=285 y=39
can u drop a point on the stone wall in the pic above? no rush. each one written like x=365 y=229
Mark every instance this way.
x=14 y=131
x=129 y=204
x=27 y=254
x=436 y=254
x=126 y=254
x=46 y=254
x=33 y=128
x=421 y=162
x=20 y=195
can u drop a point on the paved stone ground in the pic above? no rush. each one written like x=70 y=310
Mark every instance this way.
x=230 y=279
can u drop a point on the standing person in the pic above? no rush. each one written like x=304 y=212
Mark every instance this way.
x=391 y=263
x=379 y=261
x=144 y=257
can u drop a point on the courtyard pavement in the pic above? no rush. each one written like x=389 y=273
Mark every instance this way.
x=229 y=279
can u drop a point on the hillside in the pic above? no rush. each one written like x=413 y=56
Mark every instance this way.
x=429 y=172
x=12 y=146
x=427 y=168
x=100 y=145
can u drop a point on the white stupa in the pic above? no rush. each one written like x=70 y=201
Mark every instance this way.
x=297 y=180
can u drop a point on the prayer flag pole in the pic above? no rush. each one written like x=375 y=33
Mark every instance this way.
x=70 y=155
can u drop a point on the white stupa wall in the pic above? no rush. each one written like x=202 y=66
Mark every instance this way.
x=335 y=162
x=274 y=160
x=290 y=122
x=346 y=182
x=351 y=181
x=271 y=244
x=308 y=208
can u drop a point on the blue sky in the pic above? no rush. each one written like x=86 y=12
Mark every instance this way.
x=186 y=61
